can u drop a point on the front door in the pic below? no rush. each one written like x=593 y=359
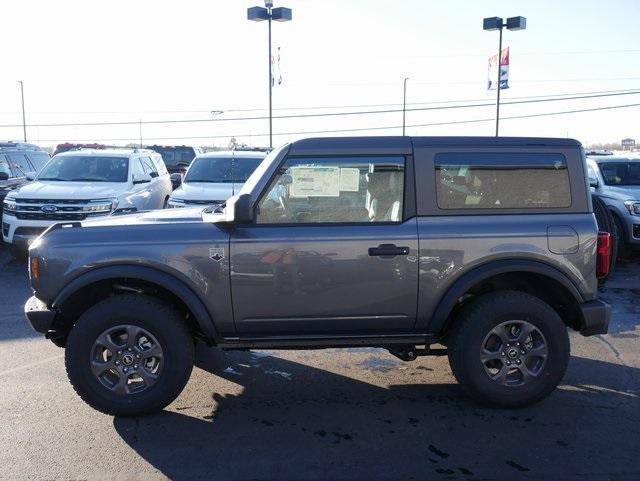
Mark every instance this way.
x=331 y=250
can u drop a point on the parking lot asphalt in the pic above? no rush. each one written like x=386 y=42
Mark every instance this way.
x=328 y=414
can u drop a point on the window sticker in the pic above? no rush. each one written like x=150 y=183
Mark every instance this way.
x=349 y=179
x=315 y=182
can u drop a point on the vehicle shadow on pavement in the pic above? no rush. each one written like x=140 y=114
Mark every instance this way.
x=294 y=421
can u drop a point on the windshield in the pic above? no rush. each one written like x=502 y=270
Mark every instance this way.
x=84 y=168
x=222 y=169
x=620 y=173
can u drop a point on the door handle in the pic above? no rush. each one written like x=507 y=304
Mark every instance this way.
x=388 y=250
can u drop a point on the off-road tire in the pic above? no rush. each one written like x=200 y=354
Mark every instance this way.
x=475 y=322
x=157 y=318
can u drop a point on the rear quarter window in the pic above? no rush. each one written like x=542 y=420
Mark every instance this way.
x=497 y=181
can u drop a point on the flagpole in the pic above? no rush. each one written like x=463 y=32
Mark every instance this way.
x=498 y=86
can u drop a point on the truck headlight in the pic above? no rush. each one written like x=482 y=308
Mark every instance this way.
x=173 y=203
x=633 y=206
x=9 y=206
x=101 y=206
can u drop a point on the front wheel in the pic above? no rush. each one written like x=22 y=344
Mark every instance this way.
x=129 y=355
x=509 y=349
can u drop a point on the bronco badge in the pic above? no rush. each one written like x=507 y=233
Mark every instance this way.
x=216 y=253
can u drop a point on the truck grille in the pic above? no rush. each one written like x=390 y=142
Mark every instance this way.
x=52 y=209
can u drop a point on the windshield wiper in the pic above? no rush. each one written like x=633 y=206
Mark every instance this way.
x=52 y=178
x=88 y=179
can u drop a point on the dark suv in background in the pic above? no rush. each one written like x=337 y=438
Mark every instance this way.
x=177 y=158
x=19 y=161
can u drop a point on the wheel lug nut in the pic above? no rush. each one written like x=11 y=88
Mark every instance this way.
x=523 y=352
x=518 y=361
x=502 y=353
x=137 y=356
x=117 y=363
x=126 y=369
x=119 y=352
x=129 y=349
x=508 y=363
x=135 y=366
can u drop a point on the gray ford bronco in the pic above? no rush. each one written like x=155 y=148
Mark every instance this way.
x=482 y=249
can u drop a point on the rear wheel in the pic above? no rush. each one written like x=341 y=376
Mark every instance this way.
x=509 y=349
x=129 y=355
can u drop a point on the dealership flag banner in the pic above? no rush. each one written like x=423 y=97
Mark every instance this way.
x=504 y=71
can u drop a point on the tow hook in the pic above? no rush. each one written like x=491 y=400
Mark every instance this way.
x=411 y=353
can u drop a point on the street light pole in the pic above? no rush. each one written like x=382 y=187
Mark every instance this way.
x=270 y=83
x=404 y=104
x=24 y=121
x=259 y=14
x=498 y=87
x=497 y=23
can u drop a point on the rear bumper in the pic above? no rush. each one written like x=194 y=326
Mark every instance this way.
x=595 y=318
x=39 y=316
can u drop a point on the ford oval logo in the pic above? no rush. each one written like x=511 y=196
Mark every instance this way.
x=49 y=209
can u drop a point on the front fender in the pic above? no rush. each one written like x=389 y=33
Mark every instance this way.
x=162 y=279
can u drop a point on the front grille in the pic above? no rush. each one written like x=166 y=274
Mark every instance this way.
x=42 y=216
x=203 y=202
x=60 y=209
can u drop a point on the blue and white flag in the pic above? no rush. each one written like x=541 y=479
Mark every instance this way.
x=504 y=70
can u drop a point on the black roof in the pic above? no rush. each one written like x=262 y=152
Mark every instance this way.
x=398 y=144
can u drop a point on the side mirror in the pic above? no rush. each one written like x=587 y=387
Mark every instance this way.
x=141 y=179
x=30 y=175
x=593 y=182
x=243 y=209
x=4 y=176
x=176 y=180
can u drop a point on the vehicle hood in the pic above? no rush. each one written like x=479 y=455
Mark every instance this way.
x=70 y=190
x=627 y=192
x=206 y=191
x=165 y=216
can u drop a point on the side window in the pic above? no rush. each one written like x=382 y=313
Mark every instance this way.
x=137 y=170
x=159 y=165
x=4 y=166
x=20 y=163
x=501 y=181
x=149 y=167
x=334 y=190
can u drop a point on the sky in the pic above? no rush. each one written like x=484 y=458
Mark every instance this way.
x=150 y=60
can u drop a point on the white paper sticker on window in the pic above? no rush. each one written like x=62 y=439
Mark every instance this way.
x=349 y=179
x=315 y=182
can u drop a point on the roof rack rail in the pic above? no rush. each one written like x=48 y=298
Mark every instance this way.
x=597 y=152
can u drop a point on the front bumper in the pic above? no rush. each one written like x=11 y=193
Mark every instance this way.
x=595 y=316
x=39 y=316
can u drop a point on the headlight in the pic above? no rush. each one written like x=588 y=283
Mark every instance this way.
x=172 y=203
x=101 y=206
x=633 y=206
x=9 y=206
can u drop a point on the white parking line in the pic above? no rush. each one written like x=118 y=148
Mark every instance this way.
x=29 y=366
